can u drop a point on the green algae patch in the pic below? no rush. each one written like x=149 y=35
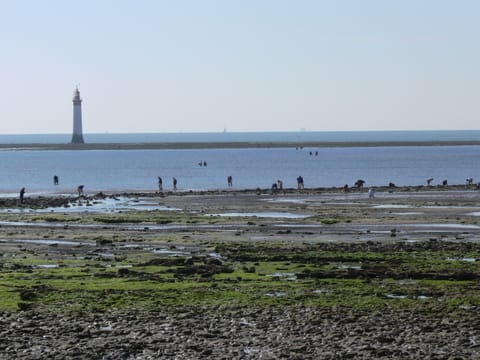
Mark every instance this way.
x=9 y=299
x=360 y=276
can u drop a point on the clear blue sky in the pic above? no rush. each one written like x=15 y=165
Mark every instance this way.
x=246 y=65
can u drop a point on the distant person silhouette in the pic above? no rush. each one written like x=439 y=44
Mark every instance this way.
x=160 y=184
x=55 y=180
x=274 y=187
x=280 y=184
x=174 y=184
x=22 y=194
x=230 y=181
x=80 y=190
x=300 y=184
x=371 y=193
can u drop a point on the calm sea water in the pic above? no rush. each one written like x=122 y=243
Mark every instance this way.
x=117 y=170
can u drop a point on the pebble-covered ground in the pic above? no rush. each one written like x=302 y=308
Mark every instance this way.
x=317 y=274
x=271 y=333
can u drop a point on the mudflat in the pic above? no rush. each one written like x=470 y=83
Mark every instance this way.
x=311 y=274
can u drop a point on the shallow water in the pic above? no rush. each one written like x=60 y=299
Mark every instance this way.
x=222 y=227
x=445 y=226
x=169 y=252
x=349 y=266
x=287 y=200
x=51 y=242
x=46 y=266
x=137 y=170
x=465 y=259
x=395 y=296
x=392 y=206
x=321 y=291
x=286 y=276
x=285 y=215
x=407 y=213
x=108 y=205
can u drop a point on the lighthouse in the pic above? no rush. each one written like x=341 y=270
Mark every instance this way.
x=77 y=137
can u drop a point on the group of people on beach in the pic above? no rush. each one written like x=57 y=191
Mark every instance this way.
x=56 y=182
x=278 y=185
x=160 y=184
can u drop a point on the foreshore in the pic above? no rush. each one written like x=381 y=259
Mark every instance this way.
x=227 y=145
x=243 y=274
x=56 y=200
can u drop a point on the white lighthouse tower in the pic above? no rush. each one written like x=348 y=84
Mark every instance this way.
x=77 y=137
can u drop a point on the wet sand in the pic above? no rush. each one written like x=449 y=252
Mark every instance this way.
x=313 y=274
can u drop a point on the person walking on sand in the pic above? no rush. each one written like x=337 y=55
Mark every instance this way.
x=160 y=184
x=22 y=195
x=174 y=184
x=55 y=180
x=371 y=193
x=80 y=190
x=230 y=181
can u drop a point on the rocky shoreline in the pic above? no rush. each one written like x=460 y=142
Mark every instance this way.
x=54 y=200
x=316 y=274
x=210 y=333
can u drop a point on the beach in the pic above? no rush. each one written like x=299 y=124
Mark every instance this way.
x=240 y=180
x=313 y=274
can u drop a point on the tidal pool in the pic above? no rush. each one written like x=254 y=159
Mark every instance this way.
x=51 y=242
x=396 y=296
x=321 y=291
x=287 y=276
x=276 y=294
x=407 y=213
x=445 y=226
x=287 y=200
x=284 y=215
x=349 y=266
x=465 y=259
x=46 y=266
x=107 y=205
x=392 y=206
x=169 y=252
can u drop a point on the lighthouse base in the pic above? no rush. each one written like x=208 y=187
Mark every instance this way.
x=77 y=139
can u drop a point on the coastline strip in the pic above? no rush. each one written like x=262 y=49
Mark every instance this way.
x=228 y=145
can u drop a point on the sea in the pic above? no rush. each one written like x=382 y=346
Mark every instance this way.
x=208 y=169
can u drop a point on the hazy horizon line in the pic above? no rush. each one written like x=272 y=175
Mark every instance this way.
x=243 y=132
